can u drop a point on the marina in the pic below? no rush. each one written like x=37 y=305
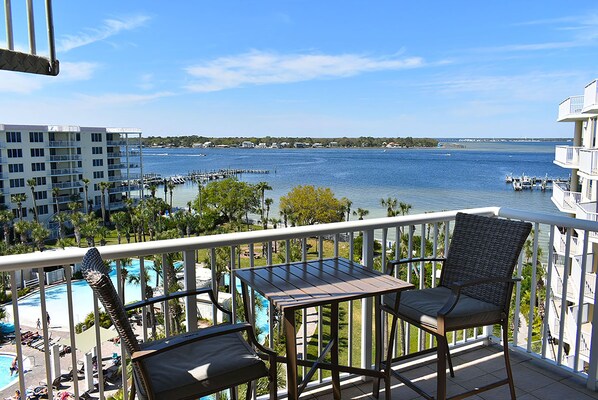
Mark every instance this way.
x=525 y=182
x=196 y=176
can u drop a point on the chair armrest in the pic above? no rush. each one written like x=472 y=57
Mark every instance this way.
x=191 y=337
x=390 y=265
x=176 y=295
x=457 y=286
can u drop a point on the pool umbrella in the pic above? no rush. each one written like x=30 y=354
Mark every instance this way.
x=86 y=340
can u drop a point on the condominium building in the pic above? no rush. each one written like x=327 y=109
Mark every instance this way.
x=60 y=163
x=578 y=199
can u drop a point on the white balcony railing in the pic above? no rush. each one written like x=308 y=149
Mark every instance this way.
x=588 y=162
x=243 y=248
x=567 y=156
x=563 y=198
x=571 y=108
x=590 y=97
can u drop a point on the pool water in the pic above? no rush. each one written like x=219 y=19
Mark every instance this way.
x=56 y=299
x=5 y=378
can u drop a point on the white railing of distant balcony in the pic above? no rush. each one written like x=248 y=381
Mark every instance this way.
x=588 y=162
x=570 y=106
x=590 y=95
x=68 y=157
x=66 y=185
x=415 y=230
x=563 y=198
x=567 y=156
x=63 y=143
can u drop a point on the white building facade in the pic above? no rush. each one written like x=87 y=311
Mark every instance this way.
x=61 y=159
x=578 y=199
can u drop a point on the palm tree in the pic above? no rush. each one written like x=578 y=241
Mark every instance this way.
x=85 y=191
x=103 y=187
x=121 y=224
x=55 y=194
x=19 y=198
x=39 y=234
x=152 y=188
x=347 y=206
x=6 y=218
x=61 y=218
x=261 y=187
x=390 y=204
x=404 y=207
x=31 y=183
x=157 y=267
x=268 y=203
x=22 y=228
x=124 y=273
x=171 y=189
x=360 y=213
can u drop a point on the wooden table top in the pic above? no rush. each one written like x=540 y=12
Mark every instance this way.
x=318 y=282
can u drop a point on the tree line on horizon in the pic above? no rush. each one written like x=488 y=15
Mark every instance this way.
x=363 y=141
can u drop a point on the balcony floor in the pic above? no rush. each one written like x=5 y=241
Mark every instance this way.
x=476 y=367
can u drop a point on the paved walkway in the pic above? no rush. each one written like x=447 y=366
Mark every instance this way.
x=312 y=325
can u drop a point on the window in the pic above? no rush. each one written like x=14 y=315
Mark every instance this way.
x=18 y=182
x=38 y=166
x=36 y=137
x=96 y=187
x=96 y=137
x=40 y=181
x=98 y=162
x=15 y=212
x=13 y=137
x=78 y=150
x=15 y=167
x=41 y=195
x=37 y=152
x=78 y=137
x=98 y=174
x=42 y=209
x=15 y=153
x=97 y=150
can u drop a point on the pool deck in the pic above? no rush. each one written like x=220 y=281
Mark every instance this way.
x=36 y=376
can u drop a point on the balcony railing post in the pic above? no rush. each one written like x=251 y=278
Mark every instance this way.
x=367 y=259
x=592 y=382
x=190 y=284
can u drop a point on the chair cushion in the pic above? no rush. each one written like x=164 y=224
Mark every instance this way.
x=423 y=306
x=202 y=367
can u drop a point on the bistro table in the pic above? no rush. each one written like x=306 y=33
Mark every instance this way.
x=294 y=286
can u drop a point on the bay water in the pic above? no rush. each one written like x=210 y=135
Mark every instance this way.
x=429 y=179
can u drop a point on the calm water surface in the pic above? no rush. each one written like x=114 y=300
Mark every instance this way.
x=428 y=179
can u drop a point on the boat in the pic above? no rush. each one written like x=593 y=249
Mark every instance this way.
x=517 y=185
x=509 y=178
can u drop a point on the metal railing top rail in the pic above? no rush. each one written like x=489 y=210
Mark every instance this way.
x=127 y=250
x=74 y=255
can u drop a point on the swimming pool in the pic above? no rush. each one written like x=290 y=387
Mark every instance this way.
x=56 y=300
x=5 y=379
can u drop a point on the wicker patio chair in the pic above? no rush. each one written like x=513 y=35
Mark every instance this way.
x=474 y=290
x=192 y=364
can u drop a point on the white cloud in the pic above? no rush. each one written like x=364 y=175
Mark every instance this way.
x=122 y=98
x=261 y=68
x=77 y=71
x=109 y=28
x=21 y=83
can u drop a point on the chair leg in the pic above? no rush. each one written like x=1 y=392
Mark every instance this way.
x=441 y=368
x=505 y=344
x=249 y=394
x=387 y=361
x=448 y=358
x=132 y=391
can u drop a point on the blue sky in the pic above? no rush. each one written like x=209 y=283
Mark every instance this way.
x=311 y=68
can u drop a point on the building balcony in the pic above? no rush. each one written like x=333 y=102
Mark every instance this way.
x=64 y=144
x=66 y=171
x=66 y=185
x=564 y=199
x=116 y=143
x=66 y=157
x=115 y=154
x=588 y=163
x=123 y=166
x=567 y=156
x=543 y=369
x=570 y=109
x=590 y=98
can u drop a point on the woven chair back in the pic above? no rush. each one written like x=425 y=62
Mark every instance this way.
x=96 y=275
x=483 y=247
